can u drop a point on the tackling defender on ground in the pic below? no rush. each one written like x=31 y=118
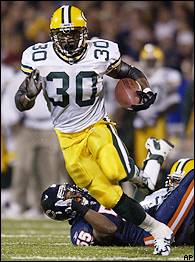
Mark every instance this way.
x=93 y=224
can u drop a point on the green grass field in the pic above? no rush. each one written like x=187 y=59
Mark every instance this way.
x=47 y=240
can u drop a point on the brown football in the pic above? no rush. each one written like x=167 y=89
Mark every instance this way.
x=125 y=92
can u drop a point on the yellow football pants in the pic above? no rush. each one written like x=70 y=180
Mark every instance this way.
x=96 y=159
x=141 y=135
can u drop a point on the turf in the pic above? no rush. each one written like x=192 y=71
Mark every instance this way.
x=47 y=240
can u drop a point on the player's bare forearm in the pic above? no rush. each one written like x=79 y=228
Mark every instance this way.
x=127 y=71
x=100 y=223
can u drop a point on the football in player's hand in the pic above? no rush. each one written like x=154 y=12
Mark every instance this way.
x=125 y=92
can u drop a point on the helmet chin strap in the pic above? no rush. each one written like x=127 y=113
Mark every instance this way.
x=70 y=58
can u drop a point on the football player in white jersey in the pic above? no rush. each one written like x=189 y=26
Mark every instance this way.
x=7 y=145
x=70 y=71
x=165 y=81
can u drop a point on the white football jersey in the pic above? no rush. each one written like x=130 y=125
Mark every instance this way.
x=75 y=91
x=7 y=76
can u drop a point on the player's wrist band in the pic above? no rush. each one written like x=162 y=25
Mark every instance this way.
x=82 y=210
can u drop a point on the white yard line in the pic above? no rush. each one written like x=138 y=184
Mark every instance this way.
x=97 y=259
x=28 y=235
x=51 y=244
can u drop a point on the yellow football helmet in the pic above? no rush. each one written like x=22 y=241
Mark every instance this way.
x=179 y=170
x=68 y=31
x=151 y=55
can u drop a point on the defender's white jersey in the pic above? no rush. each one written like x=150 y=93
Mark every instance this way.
x=75 y=91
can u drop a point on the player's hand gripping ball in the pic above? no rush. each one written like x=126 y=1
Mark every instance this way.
x=126 y=92
x=130 y=96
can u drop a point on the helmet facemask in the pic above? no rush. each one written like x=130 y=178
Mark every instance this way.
x=174 y=179
x=178 y=171
x=71 y=41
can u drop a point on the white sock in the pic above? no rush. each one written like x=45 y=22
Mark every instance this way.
x=151 y=170
x=129 y=188
x=156 y=228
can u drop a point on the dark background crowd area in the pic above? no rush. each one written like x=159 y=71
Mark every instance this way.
x=131 y=24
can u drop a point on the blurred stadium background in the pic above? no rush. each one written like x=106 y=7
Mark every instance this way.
x=30 y=155
x=132 y=24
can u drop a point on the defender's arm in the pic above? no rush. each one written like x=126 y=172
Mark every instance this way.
x=103 y=228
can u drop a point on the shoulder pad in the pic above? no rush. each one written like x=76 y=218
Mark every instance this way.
x=106 y=51
x=32 y=55
x=26 y=62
